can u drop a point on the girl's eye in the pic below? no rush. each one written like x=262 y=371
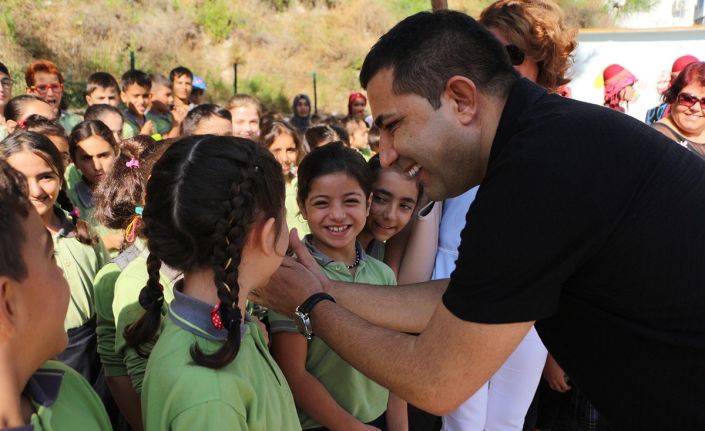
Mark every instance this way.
x=406 y=207
x=378 y=199
x=352 y=201
x=319 y=204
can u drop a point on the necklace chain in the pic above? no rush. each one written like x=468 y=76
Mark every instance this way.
x=357 y=259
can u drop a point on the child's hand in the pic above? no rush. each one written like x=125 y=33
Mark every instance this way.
x=147 y=129
x=179 y=113
x=554 y=375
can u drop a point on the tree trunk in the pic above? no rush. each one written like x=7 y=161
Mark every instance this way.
x=439 y=4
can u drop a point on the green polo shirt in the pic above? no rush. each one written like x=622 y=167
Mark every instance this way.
x=162 y=122
x=63 y=400
x=127 y=310
x=104 y=291
x=80 y=264
x=352 y=390
x=68 y=121
x=71 y=177
x=293 y=218
x=249 y=393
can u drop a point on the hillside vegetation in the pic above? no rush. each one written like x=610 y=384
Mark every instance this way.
x=277 y=44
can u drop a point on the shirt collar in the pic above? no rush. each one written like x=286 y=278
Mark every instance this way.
x=324 y=260
x=42 y=389
x=522 y=96
x=194 y=316
x=67 y=230
x=84 y=194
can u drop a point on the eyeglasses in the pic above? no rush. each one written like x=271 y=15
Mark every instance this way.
x=688 y=100
x=516 y=55
x=7 y=82
x=44 y=88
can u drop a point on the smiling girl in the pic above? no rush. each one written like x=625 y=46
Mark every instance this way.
x=334 y=191
x=78 y=252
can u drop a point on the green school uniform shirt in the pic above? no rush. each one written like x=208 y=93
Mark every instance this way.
x=80 y=264
x=81 y=197
x=249 y=393
x=68 y=121
x=72 y=176
x=352 y=390
x=127 y=130
x=104 y=291
x=293 y=217
x=63 y=400
x=127 y=310
x=162 y=122
x=3 y=132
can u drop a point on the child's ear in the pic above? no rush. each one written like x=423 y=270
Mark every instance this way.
x=302 y=210
x=7 y=308
x=123 y=97
x=369 y=204
x=268 y=236
x=11 y=126
x=88 y=99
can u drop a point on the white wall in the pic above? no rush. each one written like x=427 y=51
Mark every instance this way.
x=643 y=52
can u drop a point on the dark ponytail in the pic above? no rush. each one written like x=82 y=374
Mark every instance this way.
x=151 y=299
x=204 y=197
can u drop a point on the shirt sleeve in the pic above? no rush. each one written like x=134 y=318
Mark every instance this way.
x=210 y=415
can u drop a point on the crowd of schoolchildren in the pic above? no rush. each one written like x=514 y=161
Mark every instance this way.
x=131 y=237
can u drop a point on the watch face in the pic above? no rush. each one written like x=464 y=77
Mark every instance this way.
x=303 y=324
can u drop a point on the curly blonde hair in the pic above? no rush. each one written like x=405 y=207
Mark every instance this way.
x=540 y=30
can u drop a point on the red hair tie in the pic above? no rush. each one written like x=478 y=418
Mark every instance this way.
x=215 y=317
x=22 y=124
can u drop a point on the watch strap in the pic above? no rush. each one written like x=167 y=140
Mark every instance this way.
x=312 y=300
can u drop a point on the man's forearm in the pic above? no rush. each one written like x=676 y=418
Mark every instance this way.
x=401 y=308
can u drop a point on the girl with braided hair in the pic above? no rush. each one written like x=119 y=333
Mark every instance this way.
x=119 y=201
x=214 y=211
x=79 y=253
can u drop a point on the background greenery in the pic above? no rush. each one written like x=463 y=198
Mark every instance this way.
x=277 y=44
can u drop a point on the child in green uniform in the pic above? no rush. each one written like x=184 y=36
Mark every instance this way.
x=35 y=392
x=119 y=199
x=78 y=252
x=19 y=108
x=136 y=86
x=93 y=150
x=285 y=144
x=110 y=116
x=334 y=197
x=102 y=89
x=214 y=210
x=166 y=118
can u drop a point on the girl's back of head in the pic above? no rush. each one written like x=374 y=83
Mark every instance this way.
x=329 y=159
x=204 y=196
x=123 y=190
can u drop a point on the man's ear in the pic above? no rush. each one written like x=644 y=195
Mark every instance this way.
x=8 y=312
x=462 y=93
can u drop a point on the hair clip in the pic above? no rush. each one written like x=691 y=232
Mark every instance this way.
x=215 y=317
x=139 y=210
x=131 y=230
x=133 y=163
x=22 y=124
x=76 y=212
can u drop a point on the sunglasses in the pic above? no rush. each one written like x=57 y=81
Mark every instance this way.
x=44 y=88
x=516 y=55
x=688 y=100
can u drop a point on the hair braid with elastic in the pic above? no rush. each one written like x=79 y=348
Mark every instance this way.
x=231 y=233
x=83 y=232
x=151 y=299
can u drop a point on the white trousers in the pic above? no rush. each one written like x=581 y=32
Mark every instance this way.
x=502 y=402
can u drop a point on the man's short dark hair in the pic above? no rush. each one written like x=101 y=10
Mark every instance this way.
x=135 y=77
x=203 y=112
x=427 y=49
x=14 y=207
x=179 y=71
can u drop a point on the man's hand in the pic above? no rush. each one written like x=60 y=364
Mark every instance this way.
x=294 y=281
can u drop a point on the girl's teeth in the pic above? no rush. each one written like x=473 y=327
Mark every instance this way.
x=413 y=171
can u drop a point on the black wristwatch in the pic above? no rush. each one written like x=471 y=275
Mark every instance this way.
x=303 y=311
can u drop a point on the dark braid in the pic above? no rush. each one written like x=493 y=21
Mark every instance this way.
x=231 y=234
x=83 y=232
x=151 y=299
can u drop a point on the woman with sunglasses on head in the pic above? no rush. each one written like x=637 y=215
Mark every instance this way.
x=685 y=122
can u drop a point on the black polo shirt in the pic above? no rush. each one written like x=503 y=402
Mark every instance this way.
x=593 y=224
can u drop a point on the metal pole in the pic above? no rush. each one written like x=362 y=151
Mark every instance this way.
x=315 y=95
x=235 y=78
x=439 y=5
x=132 y=60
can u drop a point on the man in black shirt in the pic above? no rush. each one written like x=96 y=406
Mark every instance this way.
x=586 y=222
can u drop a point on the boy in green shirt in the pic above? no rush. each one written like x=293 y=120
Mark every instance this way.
x=166 y=117
x=35 y=393
x=136 y=87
